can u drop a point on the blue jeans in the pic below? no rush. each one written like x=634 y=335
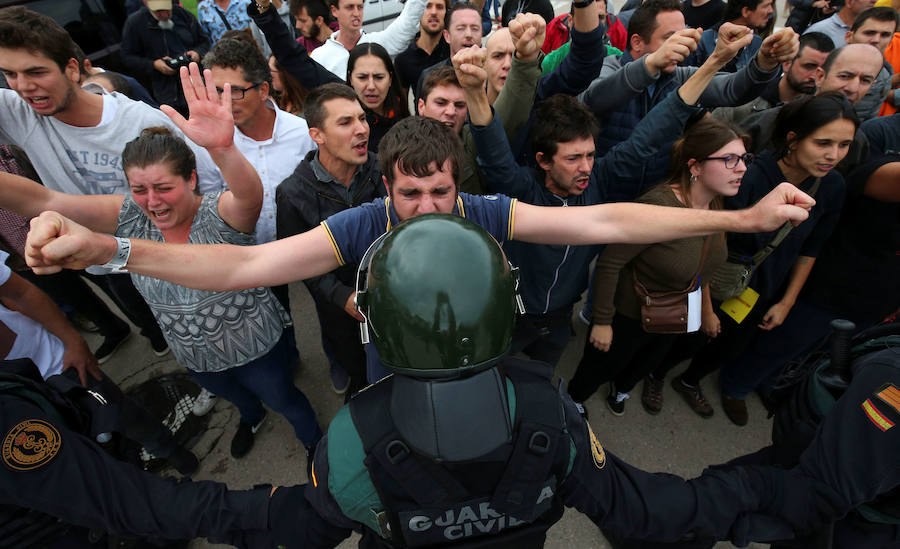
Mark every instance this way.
x=267 y=380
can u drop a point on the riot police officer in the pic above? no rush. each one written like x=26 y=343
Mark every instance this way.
x=465 y=446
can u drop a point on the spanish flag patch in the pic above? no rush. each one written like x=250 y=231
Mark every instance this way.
x=876 y=417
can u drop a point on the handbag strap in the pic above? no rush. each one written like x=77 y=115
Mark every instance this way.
x=642 y=290
x=761 y=255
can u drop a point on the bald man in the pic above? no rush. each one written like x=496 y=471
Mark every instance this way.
x=851 y=70
x=500 y=49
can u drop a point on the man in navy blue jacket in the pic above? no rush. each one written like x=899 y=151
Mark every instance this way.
x=568 y=174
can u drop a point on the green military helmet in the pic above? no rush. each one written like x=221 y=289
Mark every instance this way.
x=439 y=297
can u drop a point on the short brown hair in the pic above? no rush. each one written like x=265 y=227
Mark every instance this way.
x=414 y=144
x=441 y=76
x=314 y=108
x=24 y=29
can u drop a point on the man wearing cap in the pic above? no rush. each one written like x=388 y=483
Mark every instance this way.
x=156 y=40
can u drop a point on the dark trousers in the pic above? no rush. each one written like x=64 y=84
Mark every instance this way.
x=341 y=342
x=769 y=351
x=633 y=354
x=266 y=380
x=543 y=337
x=710 y=354
x=67 y=288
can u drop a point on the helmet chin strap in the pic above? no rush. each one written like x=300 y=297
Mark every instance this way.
x=452 y=420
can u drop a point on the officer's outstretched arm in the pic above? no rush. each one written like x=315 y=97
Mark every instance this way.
x=634 y=504
x=644 y=223
x=56 y=242
x=56 y=471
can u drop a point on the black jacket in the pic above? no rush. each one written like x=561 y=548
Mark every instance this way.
x=143 y=42
x=302 y=201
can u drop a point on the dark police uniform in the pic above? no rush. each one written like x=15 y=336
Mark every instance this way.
x=856 y=447
x=386 y=489
x=49 y=467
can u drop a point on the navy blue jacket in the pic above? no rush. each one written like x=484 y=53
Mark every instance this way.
x=554 y=277
x=805 y=239
x=625 y=93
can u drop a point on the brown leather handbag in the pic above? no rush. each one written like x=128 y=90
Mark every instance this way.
x=667 y=312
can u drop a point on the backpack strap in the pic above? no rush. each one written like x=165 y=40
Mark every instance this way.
x=539 y=429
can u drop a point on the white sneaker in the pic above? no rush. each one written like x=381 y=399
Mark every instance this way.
x=204 y=402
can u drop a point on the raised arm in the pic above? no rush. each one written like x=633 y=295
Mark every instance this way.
x=643 y=223
x=56 y=242
x=290 y=53
x=495 y=157
x=397 y=36
x=617 y=86
x=28 y=198
x=211 y=126
x=745 y=85
x=527 y=31
x=584 y=61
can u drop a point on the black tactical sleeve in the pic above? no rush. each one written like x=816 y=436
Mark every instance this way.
x=51 y=469
x=720 y=504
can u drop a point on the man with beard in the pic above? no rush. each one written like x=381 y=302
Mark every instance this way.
x=312 y=22
x=800 y=76
x=428 y=49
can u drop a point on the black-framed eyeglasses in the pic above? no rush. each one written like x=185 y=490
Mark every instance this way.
x=238 y=93
x=731 y=160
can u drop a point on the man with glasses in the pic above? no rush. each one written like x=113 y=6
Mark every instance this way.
x=273 y=140
x=154 y=39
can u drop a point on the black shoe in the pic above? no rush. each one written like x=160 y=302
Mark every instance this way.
x=616 y=402
x=110 y=345
x=184 y=461
x=243 y=438
x=159 y=345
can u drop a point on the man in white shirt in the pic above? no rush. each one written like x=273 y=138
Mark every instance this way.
x=273 y=141
x=335 y=52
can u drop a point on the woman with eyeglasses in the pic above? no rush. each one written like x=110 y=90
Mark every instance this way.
x=812 y=135
x=234 y=344
x=708 y=162
x=371 y=73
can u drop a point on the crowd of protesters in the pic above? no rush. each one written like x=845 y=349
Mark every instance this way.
x=271 y=120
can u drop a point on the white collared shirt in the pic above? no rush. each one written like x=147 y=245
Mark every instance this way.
x=274 y=160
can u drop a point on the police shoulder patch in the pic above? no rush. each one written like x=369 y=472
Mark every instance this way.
x=597 y=453
x=876 y=416
x=889 y=395
x=30 y=445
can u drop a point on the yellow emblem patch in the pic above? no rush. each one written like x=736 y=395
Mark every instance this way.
x=596 y=449
x=30 y=444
